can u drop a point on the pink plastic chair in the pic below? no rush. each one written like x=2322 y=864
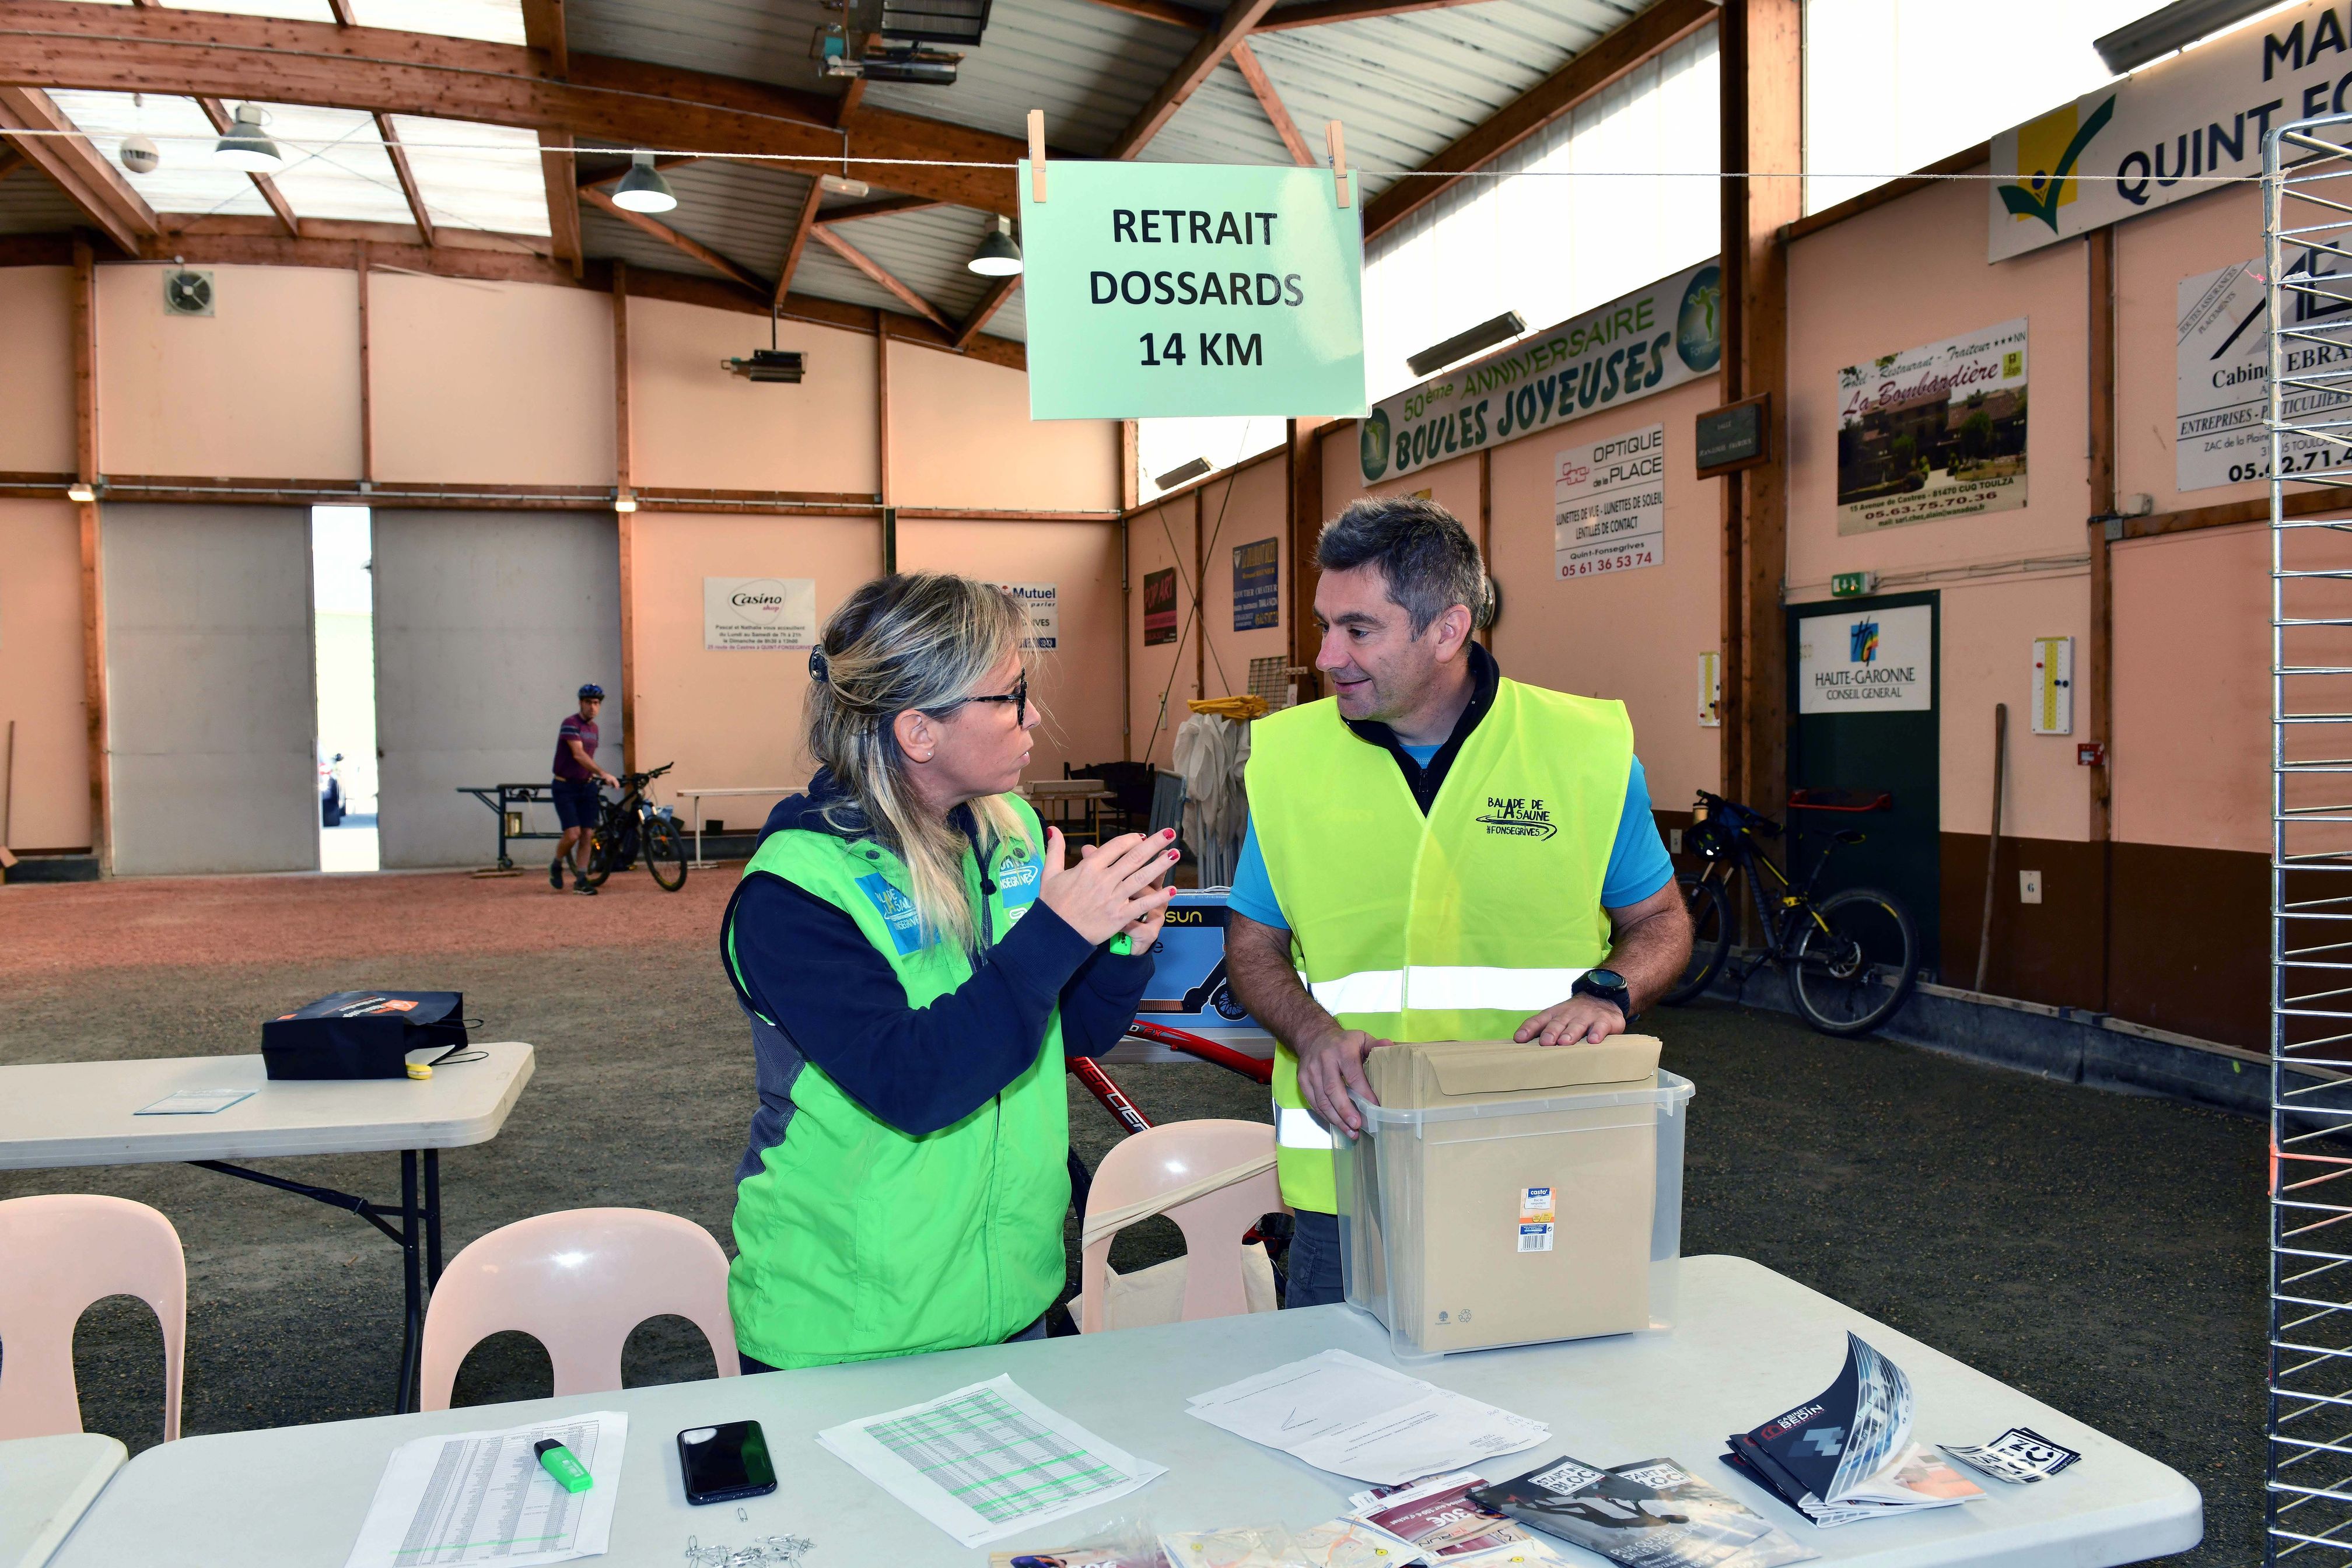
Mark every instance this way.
x=59 y=1254
x=578 y=1282
x=1167 y=1159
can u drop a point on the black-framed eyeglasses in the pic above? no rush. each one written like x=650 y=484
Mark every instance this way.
x=1018 y=697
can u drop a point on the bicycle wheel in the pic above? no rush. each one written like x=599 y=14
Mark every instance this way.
x=666 y=855
x=1854 y=962
x=600 y=857
x=1710 y=913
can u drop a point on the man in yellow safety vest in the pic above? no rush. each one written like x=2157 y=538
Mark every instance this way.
x=1434 y=853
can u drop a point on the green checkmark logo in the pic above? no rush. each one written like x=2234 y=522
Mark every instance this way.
x=2044 y=204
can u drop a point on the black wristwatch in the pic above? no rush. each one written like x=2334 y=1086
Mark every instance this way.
x=1610 y=986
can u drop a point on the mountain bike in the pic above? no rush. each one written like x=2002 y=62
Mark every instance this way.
x=632 y=827
x=1850 y=959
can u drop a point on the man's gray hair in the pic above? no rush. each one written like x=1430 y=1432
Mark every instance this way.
x=1426 y=557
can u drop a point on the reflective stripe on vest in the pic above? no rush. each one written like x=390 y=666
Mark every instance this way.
x=1458 y=924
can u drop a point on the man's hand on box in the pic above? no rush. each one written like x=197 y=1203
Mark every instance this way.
x=1577 y=1021
x=1329 y=1066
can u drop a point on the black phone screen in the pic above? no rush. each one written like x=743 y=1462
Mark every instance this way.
x=723 y=1463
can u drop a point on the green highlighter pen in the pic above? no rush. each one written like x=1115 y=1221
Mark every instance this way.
x=569 y=1473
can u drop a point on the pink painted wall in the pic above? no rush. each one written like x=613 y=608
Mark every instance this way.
x=731 y=719
x=36 y=410
x=698 y=427
x=41 y=649
x=1844 y=311
x=1242 y=508
x=490 y=383
x=2153 y=253
x=961 y=435
x=1078 y=682
x=1159 y=537
x=1634 y=635
x=2192 y=738
x=267 y=386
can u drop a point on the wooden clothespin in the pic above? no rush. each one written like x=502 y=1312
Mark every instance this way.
x=1339 y=164
x=1038 y=156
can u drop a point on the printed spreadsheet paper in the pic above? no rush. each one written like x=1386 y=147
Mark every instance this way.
x=484 y=1496
x=987 y=1461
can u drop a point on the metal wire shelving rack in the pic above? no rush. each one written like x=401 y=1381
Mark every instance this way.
x=2307 y=269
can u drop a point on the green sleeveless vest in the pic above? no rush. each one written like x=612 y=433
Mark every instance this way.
x=1458 y=925
x=855 y=1240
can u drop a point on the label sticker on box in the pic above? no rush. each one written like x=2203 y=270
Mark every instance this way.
x=1535 y=1219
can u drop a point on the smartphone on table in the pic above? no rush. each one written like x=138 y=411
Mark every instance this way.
x=724 y=1463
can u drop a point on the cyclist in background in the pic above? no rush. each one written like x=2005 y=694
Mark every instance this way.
x=577 y=800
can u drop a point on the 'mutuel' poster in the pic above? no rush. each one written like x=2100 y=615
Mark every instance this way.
x=1933 y=432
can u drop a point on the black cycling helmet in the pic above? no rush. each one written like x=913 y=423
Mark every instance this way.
x=593 y=690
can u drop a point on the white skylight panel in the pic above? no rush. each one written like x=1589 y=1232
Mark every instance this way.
x=187 y=180
x=476 y=176
x=335 y=165
x=492 y=21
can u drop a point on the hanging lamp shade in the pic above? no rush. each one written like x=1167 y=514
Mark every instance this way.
x=642 y=189
x=245 y=145
x=997 y=256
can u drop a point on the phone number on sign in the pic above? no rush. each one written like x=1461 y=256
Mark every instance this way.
x=2297 y=463
x=1617 y=562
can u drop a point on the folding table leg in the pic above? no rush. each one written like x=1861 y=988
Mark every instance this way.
x=412 y=1338
x=432 y=1219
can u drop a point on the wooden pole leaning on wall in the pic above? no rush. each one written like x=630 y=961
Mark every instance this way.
x=624 y=508
x=1993 y=843
x=93 y=560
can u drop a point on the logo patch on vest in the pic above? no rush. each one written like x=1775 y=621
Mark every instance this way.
x=1017 y=882
x=897 y=911
x=1518 y=816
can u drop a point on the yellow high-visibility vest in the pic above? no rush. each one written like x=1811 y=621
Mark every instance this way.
x=1457 y=925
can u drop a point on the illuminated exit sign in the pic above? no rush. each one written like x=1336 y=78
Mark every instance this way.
x=1852 y=585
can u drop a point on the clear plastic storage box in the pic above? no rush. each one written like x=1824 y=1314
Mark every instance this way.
x=1551 y=1217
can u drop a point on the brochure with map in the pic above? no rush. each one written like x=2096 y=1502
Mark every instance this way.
x=1650 y=1515
x=1847 y=1454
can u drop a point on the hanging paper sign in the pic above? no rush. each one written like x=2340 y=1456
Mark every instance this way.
x=759 y=612
x=1158 y=289
x=1160 y=607
x=1041 y=603
x=2224 y=372
x=1609 y=504
x=1933 y=432
x=1649 y=341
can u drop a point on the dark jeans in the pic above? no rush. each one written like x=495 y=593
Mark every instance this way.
x=753 y=1366
x=1316 y=1276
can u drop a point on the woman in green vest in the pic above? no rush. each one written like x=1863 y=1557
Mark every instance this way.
x=916 y=961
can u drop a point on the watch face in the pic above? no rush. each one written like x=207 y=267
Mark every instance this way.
x=1607 y=979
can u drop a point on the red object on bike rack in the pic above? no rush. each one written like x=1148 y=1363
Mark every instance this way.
x=1208 y=1050
x=1882 y=801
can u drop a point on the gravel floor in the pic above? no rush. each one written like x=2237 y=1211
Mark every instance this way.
x=2103 y=1253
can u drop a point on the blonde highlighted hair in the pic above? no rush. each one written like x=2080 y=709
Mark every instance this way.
x=914 y=640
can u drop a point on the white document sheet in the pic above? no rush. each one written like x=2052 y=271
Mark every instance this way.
x=194 y=1102
x=484 y=1496
x=1343 y=1413
x=987 y=1461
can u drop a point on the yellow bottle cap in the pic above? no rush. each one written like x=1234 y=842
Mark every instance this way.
x=419 y=1071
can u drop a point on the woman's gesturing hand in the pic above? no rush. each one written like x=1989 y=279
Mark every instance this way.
x=1111 y=889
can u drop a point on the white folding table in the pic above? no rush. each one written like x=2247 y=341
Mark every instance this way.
x=1749 y=1344
x=46 y=1485
x=60 y=1114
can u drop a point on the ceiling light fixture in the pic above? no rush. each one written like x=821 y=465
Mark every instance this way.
x=625 y=501
x=243 y=145
x=997 y=256
x=81 y=490
x=2175 y=26
x=1462 y=346
x=1181 y=472
x=643 y=189
x=843 y=186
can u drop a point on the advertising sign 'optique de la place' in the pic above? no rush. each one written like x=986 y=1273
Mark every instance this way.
x=1160 y=290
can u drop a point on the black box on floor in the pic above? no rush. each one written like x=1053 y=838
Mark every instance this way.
x=361 y=1034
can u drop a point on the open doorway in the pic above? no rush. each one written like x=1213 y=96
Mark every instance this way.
x=344 y=617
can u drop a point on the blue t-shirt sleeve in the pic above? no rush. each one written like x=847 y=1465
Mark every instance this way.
x=1253 y=893
x=1638 y=865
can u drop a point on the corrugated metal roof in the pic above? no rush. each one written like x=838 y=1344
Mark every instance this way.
x=30 y=205
x=758 y=40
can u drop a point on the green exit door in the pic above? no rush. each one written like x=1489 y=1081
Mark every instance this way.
x=1863 y=721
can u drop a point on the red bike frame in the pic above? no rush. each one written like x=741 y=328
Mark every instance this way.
x=1113 y=1098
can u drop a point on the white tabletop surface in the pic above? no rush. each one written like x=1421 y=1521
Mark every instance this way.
x=46 y=1484
x=57 y=1114
x=1750 y=1344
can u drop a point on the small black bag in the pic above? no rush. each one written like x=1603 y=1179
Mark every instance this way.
x=362 y=1033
